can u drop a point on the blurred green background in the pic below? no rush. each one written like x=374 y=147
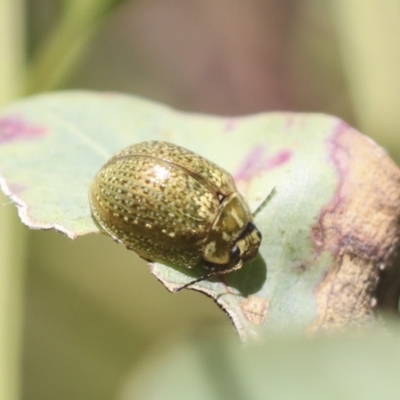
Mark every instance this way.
x=87 y=312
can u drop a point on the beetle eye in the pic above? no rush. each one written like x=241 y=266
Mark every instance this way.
x=235 y=253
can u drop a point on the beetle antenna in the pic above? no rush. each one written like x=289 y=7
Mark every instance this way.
x=265 y=202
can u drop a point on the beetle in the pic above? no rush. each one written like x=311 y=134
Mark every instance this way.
x=172 y=206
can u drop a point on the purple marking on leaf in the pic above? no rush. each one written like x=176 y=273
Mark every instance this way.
x=251 y=165
x=256 y=162
x=15 y=128
x=338 y=154
x=278 y=159
x=341 y=127
x=337 y=151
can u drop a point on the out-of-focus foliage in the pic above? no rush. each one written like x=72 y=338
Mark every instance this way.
x=213 y=367
x=368 y=35
x=12 y=244
x=86 y=324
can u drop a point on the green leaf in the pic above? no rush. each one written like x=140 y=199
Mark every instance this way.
x=322 y=240
x=215 y=366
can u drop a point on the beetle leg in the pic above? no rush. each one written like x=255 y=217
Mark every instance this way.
x=210 y=275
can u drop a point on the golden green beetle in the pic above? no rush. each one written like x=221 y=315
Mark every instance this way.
x=173 y=206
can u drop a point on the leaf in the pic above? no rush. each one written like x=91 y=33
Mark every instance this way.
x=330 y=223
x=215 y=366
